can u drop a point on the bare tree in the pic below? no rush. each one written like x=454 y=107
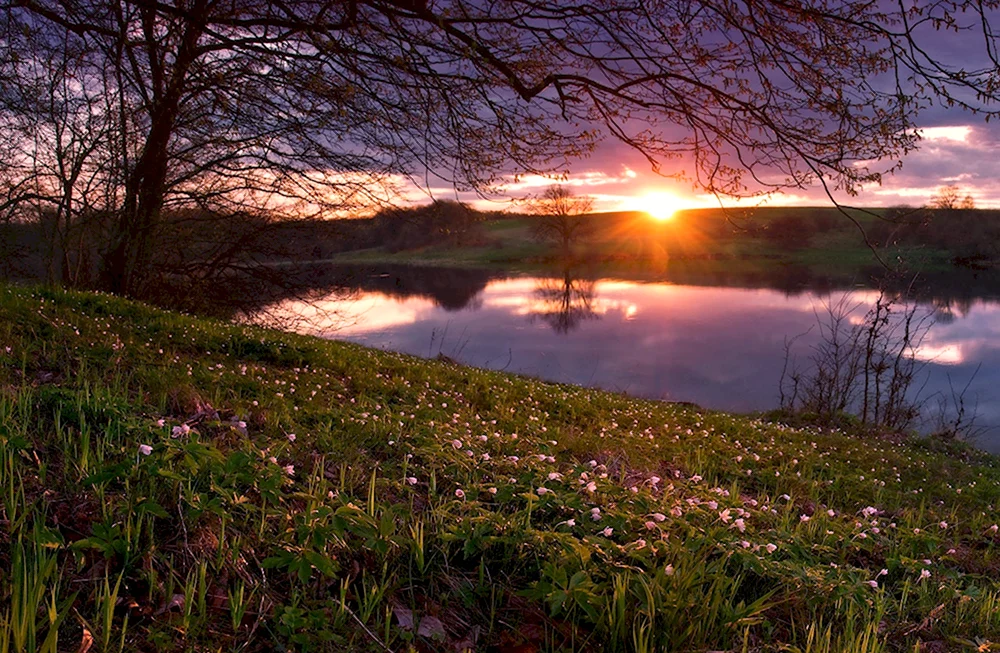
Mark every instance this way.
x=312 y=107
x=561 y=217
x=867 y=367
x=946 y=197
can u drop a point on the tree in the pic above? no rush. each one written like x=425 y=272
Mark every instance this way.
x=968 y=203
x=947 y=197
x=561 y=216
x=314 y=107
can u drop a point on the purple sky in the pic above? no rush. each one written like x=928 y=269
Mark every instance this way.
x=959 y=149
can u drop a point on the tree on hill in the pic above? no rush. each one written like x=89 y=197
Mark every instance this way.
x=949 y=197
x=119 y=114
x=561 y=216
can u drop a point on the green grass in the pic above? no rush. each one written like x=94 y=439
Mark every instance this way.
x=632 y=245
x=169 y=483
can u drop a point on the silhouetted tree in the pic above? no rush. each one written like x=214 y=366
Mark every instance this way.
x=312 y=107
x=561 y=216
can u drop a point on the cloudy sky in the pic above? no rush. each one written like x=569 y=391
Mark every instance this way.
x=959 y=149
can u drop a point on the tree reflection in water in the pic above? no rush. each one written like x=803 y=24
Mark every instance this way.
x=564 y=302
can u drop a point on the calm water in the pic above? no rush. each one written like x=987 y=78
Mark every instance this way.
x=719 y=347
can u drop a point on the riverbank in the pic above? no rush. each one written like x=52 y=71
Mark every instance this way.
x=173 y=483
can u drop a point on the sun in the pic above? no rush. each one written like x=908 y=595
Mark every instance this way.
x=659 y=206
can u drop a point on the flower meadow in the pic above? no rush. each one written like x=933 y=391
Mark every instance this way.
x=176 y=484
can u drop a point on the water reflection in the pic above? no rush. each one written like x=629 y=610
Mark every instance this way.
x=716 y=346
x=565 y=301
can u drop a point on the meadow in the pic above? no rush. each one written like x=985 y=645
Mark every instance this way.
x=179 y=484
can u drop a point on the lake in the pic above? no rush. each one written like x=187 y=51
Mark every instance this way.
x=718 y=347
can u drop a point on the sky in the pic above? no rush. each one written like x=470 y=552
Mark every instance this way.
x=956 y=149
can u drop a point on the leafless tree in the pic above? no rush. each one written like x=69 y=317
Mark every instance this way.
x=868 y=367
x=561 y=216
x=946 y=197
x=312 y=107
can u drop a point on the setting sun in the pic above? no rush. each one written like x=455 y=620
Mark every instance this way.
x=660 y=206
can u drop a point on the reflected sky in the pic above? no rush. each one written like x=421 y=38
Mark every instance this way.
x=717 y=347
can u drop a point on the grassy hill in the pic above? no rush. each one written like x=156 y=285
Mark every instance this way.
x=169 y=483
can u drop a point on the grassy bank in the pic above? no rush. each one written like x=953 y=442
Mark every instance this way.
x=178 y=484
x=704 y=242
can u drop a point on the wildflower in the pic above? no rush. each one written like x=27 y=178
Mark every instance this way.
x=872 y=583
x=658 y=516
x=916 y=531
x=457 y=444
x=640 y=543
x=739 y=525
x=543 y=490
x=160 y=422
x=676 y=511
x=943 y=525
x=950 y=552
x=713 y=505
x=607 y=531
x=555 y=476
x=650 y=525
x=411 y=480
x=745 y=544
x=924 y=574
x=595 y=514
x=803 y=518
x=669 y=570
x=181 y=430
x=994 y=528
x=569 y=522
x=290 y=436
x=831 y=513
x=459 y=493
x=771 y=548
x=145 y=449
x=591 y=487
x=724 y=516
x=654 y=480
x=289 y=469
x=696 y=479
x=492 y=490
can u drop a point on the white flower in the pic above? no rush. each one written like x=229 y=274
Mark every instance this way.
x=145 y=449
x=459 y=493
